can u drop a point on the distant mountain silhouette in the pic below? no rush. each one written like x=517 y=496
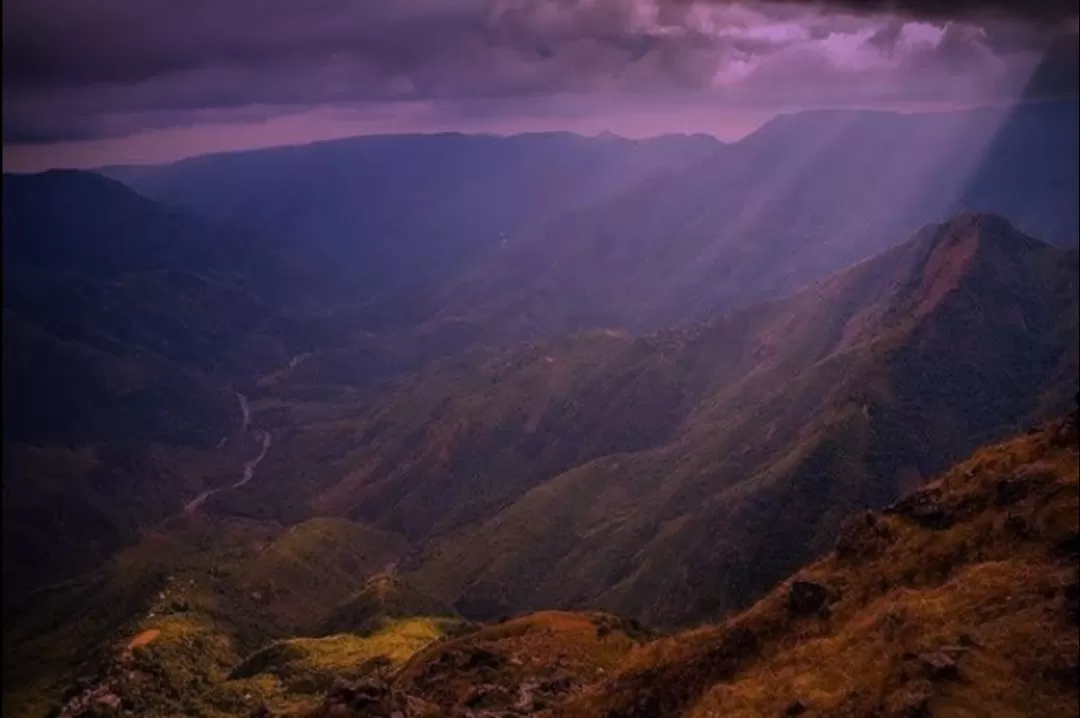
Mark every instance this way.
x=805 y=195
x=368 y=215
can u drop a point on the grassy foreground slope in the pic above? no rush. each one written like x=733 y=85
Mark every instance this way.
x=960 y=600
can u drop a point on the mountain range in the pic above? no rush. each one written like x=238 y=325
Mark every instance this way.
x=453 y=424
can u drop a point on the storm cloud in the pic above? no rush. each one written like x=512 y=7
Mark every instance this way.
x=76 y=70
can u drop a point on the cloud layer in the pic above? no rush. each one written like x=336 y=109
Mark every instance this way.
x=75 y=70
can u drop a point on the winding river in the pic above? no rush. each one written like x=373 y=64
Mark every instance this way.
x=265 y=438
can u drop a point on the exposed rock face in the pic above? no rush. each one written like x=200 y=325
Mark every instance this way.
x=925 y=509
x=863 y=536
x=939 y=665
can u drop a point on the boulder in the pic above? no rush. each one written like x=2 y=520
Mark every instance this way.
x=807 y=597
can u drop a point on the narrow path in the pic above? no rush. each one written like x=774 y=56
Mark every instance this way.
x=265 y=438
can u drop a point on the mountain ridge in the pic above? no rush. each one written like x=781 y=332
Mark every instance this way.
x=836 y=399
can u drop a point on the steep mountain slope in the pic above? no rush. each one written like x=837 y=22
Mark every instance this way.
x=570 y=473
x=959 y=600
x=806 y=195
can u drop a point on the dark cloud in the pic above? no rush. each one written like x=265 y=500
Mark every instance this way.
x=963 y=47
x=75 y=69
x=70 y=66
x=1041 y=11
x=71 y=42
x=886 y=37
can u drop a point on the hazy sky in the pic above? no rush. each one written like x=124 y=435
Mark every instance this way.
x=89 y=83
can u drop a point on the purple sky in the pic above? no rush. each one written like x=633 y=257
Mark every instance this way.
x=117 y=81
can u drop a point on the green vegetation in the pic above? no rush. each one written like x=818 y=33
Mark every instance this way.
x=173 y=661
x=291 y=674
x=307 y=571
x=310 y=664
x=384 y=599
